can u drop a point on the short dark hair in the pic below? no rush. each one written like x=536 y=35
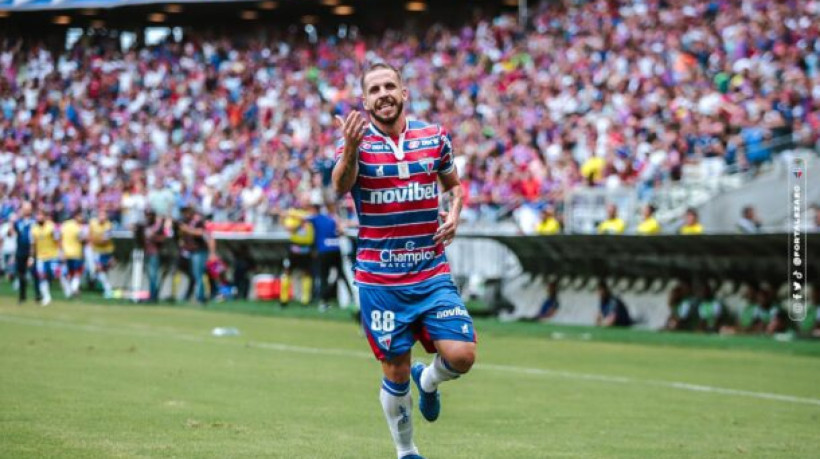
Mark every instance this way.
x=378 y=66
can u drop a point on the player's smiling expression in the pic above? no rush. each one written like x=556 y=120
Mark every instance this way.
x=384 y=95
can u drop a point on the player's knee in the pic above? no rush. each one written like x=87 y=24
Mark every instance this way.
x=463 y=359
x=397 y=372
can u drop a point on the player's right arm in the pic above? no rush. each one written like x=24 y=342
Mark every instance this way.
x=347 y=166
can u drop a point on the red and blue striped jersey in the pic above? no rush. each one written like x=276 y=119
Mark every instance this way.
x=397 y=205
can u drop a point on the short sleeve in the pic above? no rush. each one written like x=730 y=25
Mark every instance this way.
x=446 y=163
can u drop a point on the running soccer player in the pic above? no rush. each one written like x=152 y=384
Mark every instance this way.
x=73 y=234
x=46 y=247
x=99 y=234
x=393 y=168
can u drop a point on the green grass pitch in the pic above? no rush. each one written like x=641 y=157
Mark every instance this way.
x=84 y=379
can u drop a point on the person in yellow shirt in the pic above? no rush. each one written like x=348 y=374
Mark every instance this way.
x=302 y=255
x=613 y=224
x=73 y=234
x=691 y=223
x=46 y=246
x=99 y=235
x=549 y=225
x=649 y=225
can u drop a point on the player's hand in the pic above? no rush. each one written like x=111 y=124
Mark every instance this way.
x=353 y=127
x=446 y=231
x=30 y=262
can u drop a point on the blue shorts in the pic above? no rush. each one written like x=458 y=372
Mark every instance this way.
x=48 y=269
x=103 y=260
x=394 y=318
x=74 y=265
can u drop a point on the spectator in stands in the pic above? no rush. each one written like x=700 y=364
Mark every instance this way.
x=682 y=307
x=612 y=311
x=582 y=94
x=549 y=225
x=550 y=305
x=613 y=224
x=649 y=225
x=749 y=223
x=691 y=224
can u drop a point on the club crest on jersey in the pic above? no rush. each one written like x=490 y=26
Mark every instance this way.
x=385 y=340
x=427 y=165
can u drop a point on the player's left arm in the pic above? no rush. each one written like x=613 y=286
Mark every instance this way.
x=450 y=185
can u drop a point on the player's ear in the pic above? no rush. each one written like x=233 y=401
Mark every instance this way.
x=404 y=93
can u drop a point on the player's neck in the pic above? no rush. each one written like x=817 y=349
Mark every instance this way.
x=395 y=129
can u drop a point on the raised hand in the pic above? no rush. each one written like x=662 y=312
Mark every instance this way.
x=353 y=127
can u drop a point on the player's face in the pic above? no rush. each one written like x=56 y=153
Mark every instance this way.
x=384 y=96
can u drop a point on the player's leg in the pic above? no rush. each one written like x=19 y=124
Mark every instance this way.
x=449 y=328
x=63 y=273
x=42 y=268
x=22 y=276
x=390 y=339
x=103 y=260
x=397 y=403
x=75 y=268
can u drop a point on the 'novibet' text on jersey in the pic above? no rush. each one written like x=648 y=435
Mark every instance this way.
x=408 y=193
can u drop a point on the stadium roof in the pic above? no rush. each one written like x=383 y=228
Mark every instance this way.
x=37 y=5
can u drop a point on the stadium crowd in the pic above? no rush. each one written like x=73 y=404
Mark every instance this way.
x=602 y=94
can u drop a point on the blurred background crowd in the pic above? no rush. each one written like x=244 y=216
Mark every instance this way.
x=600 y=94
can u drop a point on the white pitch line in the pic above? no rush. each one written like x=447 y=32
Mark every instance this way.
x=281 y=347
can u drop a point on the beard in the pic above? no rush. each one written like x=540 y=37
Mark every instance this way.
x=388 y=120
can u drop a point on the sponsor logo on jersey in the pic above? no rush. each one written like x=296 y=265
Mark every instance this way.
x=452 y=312
x=380 y=171
x=407 y=193
x=394 y=259
x=465 y=329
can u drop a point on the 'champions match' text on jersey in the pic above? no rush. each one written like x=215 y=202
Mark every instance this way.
x=397 y=202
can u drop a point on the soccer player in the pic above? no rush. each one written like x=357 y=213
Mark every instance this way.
x=393 y=168
x=99 y=234
x=46 y=247
x=73 y=234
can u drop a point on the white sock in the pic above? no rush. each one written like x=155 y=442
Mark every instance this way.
x=398 y=407
x=64 y=282
x=436 y=373
x=44 y=290
x=75 y=284
x=103 y=277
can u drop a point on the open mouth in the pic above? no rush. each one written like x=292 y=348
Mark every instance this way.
x=386 y=106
